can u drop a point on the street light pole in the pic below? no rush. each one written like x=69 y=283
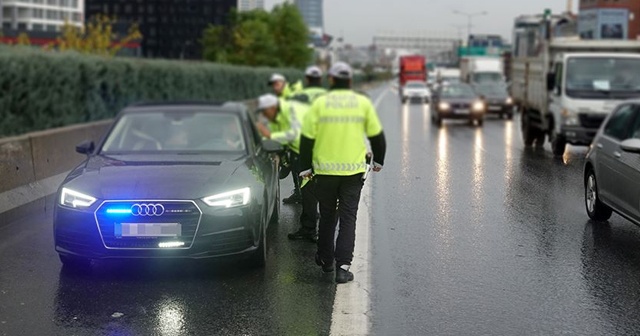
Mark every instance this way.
x=469 y=18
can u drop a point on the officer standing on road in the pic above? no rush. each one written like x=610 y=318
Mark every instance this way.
x=313 y=88
x=285 y=121
x=333 y=152
x=281 y=88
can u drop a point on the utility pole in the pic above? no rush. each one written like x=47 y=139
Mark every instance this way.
x=469 y=18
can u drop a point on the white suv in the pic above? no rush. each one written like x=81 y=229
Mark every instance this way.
x=416 y=91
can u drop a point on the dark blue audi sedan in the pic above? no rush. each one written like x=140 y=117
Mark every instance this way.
x=183 y=180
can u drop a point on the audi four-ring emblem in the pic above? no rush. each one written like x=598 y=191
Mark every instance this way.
x=144 y=209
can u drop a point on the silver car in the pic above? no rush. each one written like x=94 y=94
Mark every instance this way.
x=612 y=168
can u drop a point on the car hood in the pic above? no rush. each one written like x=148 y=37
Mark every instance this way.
x=458 y=100
x=113 y=178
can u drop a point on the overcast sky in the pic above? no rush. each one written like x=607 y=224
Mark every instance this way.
x=359 y=20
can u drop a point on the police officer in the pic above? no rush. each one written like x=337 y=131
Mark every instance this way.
x=285 y=120
x=313 y=88
x=333 y=152
x=281 y=87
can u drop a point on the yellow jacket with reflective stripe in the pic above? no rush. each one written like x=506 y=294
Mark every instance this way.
x=287 y=127
x=338 y=123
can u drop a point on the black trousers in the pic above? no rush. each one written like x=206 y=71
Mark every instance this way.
x=309 y=216
x=330 y=189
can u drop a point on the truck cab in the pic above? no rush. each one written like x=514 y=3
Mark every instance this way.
x=583 y=89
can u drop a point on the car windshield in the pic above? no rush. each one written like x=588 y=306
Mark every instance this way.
x=175 y=132
x=492 y=90
x=457 y=91
x=487 y=77
x=603 y=77
x=451 y=80
x=416 y=85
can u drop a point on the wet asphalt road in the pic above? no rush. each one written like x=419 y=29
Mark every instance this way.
x=472 y=234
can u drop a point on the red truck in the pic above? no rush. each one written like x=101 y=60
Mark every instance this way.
x=412 y=68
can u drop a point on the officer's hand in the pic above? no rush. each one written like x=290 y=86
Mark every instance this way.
x=377 y=167
x=307 y=174
x=264 y=130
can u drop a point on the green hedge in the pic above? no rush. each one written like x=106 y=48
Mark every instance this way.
x=41 y=90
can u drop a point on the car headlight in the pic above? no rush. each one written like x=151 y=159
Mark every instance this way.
x=229 y=199
x=478 y=106
x=74 y=199
x=509 y=101
x=444 y=106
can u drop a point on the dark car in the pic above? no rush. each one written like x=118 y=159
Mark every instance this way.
x=496 y=98
x=457 y=101
x=184 y=180
x=612 y=169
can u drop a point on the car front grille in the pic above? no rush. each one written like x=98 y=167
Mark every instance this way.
x=112 y=214
x=460 y=105
x=591 y=120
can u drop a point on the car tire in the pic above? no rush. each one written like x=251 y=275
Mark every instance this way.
x=480 y=122
x=596 y=210
x=510 y=116
x=437 y=121
x=73 y=263
x=404 y=101
x=558 y=145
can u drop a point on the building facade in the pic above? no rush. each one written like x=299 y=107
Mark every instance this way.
x=313 y=13
x=607 y=19
x=248 y=5
x=40 y=15
x=171 y=29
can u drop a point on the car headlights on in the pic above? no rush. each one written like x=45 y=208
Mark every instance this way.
x=444 y=106
x=478 y=106
x=509 y=101
x=74 y=199
x=569 y=118
x=229 y=199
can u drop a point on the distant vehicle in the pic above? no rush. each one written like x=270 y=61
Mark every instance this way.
x=496 y=98
x=448 y=76
x=457 y=101
x=171 y=181
x=482 y=69
x=611 y=172
x=568 y=88
x=416 y=91
x=412 y=68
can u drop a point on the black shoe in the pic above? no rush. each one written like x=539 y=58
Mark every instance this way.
x=326 y=267
x=343 y=276
x=293 y=199
x=303 y=234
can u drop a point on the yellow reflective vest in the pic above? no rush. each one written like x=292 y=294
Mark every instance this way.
x=287 y=127
x=338 y=122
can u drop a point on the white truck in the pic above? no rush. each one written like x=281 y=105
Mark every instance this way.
x=480 y=69
x=567 y=89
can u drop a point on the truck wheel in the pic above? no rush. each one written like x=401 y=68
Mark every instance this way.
x=558 y=145
x=528 y=132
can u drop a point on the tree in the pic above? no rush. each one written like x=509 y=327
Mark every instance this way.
x=259 y=38
x=96 y=37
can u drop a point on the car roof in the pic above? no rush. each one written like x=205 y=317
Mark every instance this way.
x=228 y=107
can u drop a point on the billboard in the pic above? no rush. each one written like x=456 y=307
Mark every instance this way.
x=604 y=23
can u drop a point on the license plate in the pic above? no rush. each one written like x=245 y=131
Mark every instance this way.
x=461 y=111
x=147 y=230
x=495 y=108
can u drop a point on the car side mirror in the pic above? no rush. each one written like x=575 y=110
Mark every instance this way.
x=86 y=147
x=271 y=146
x=631 y=146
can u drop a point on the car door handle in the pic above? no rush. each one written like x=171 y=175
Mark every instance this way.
x=599 y=145
x=617 y=155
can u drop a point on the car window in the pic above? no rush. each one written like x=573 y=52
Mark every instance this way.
x=175 y=132
x=457 y=91
x=635 y=128
x=618 y=125
x=416 y=85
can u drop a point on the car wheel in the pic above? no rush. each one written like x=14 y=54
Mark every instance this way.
x=529 y=133
x=74 y=263
x=404 y=101
x=259 y=257
x=596 y=210
x=510 y=116
x=437 y=121
x=480 y=122
x=558 y=145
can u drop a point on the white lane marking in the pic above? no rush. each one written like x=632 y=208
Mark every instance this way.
x=352 y=301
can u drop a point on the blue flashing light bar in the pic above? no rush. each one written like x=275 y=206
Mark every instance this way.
x=119 y=211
